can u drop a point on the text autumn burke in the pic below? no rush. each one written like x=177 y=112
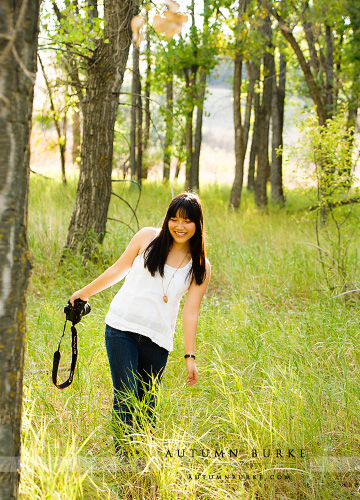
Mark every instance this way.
x=236 y=453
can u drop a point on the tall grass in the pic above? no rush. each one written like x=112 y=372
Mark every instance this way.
x=277 y=356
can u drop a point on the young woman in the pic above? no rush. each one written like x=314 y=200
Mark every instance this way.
x=161 y=266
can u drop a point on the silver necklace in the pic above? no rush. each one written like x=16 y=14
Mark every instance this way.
x=165 y=297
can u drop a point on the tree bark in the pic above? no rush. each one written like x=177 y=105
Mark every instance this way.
x=190 y=78
x=139 y=121
x=239 y=143
x=329 y=71
x=168 y=128
x=256 y=133
x=177 y=169
x=92 y=9
x=180 y=157
x=76 y=136
x=264 y=121
x=235 y=195
x=195 y=172
x=354 y=98
x=18 y=46
x=249 y=101
x=308 y=29
x=277 y=123
x=134 y=114
x=105 y=77
x=147 y=84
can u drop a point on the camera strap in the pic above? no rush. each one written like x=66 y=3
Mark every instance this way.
x=57 y=357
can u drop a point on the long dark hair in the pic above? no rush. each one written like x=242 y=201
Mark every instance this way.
x=155 y=255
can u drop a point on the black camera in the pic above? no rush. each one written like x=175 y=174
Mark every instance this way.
x=77 y=311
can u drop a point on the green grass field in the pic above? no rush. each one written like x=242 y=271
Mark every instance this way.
x=277 y=355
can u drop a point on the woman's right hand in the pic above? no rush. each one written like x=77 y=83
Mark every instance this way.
x=79 y=294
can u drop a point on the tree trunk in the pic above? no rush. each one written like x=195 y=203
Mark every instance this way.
x=329 y=71
x=249 y=101
x=354 y=98
x=133 y=114
x=264 y=121
x=235 y=195
x=16 y=97
x=139 y=121
x=256 y=133
x=239 y=143
x=105 y=77
x=147 y=84
x=180 y=157
x=63 y=143
x=277 y=122
x=76 y=136
x=177 y=169
x=195 y=182
x=92 y=9
x=189 y=148
x=308 y=29
x=190 y=78
x=136 y=117
x=168 y=128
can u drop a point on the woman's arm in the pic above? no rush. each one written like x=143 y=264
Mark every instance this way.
x=190 y=317
x=117 y=271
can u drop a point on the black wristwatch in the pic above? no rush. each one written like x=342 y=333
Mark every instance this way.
x=189 y=356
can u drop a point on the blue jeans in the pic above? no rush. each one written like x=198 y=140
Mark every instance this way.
x=137 y=365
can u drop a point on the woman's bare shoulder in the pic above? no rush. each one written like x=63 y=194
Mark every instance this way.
x=145 y=236
x=207 y=264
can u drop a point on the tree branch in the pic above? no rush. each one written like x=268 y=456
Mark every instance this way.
x=336 y=204
x=288 y=34
x=131 y=208
x=309 y=35
x=72 y=69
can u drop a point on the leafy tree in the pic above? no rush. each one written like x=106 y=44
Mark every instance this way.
x=324 y=149
x=97 y=45
x=170 y=104
x=321 y=46
x=239 y=141
x=187 y=61
x=253 y=46
x=264 y=117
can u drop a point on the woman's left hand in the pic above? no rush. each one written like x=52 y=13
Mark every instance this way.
x=193 y=374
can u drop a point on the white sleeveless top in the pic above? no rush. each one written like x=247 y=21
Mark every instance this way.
x=139 y=306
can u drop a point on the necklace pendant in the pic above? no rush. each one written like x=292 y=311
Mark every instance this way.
x=165 y=299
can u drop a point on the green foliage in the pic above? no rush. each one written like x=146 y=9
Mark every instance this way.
x=328 y=152
x=179 y=59
x=277 y=358
x=76 y=33
x=44 y=119
x=331 y=149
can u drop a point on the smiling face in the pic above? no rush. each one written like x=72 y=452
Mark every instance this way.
x=181 y=227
